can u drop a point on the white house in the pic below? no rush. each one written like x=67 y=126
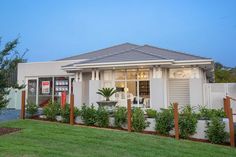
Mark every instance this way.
x=151 y=77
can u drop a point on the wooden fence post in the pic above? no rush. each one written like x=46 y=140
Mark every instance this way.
x=225 y=106
x=176 y=120
x=129 y=114
x=72 y=109
x=229 y=115
x=231 y=128
x=22 y=113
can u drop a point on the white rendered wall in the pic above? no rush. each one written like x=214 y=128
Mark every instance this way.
x=52 y=68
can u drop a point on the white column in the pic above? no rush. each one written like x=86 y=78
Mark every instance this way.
x=154 y=72
x=80 y=77
x=76 y=76
x=93 y=75
x=97 y=74
x=159 y=72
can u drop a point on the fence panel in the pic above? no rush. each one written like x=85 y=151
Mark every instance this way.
x=215 y=92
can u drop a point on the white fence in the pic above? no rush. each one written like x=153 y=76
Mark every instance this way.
x=14 y=99
x=215 y=92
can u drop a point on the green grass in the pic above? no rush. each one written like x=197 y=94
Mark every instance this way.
x=52 y=139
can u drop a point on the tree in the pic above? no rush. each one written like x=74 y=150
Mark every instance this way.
x=9 y=58
x=224 y=74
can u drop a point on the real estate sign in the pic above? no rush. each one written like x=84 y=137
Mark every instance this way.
x=45 y=87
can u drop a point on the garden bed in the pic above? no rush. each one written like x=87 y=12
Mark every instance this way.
x=5 y=130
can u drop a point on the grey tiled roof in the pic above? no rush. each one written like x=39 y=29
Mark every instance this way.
x=102 y=52
x=131 y=52
x=129 y=55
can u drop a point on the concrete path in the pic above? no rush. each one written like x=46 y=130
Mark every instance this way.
x=9 y=114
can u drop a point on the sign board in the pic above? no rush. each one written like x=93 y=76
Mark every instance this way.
x=45 y=87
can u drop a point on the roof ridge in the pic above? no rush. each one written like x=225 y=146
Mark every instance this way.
x=184 y=53
x=95 y=51
x=149 y=53
x=108 y=55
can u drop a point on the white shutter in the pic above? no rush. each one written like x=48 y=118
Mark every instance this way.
x=179 y=91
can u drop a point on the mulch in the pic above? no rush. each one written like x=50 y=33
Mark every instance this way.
x=5 y=130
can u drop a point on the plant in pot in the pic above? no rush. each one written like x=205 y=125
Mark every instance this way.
x=107 y=93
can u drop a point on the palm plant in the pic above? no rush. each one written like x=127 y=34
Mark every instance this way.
x=106 y=92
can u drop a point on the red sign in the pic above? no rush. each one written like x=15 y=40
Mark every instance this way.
x=45 y=87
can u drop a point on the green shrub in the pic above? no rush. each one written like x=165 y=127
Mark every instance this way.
x=88 y=115
x=216 y=130
x=207 y=114
x=151 y=113
x=120 y=116
x=31 y=108
x=51 y=110
x=187 y=122
x=102 y=117
x=165 y=121
x=65 y=113
x=138 y=120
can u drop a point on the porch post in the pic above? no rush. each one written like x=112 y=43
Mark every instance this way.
x=97 y=74
x=93 y=75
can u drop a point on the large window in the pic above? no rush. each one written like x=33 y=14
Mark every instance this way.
x=41 y=90
x=32 y=90
x=133 y=84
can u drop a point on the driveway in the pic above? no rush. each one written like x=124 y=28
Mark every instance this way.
x=9 y=114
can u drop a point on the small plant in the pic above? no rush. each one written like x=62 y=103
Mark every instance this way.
x=106 y=92
x=120 y=116
x=31 y=108
x=216 y=130
x=151 y=113
x=88 y=115
x=206 y=114
x=51 y=110
x=138 y=120
x=187 y=122
x=165 y=121
x=65 y=113
x=102 y=117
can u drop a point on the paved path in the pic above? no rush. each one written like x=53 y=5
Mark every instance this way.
x=9 y=114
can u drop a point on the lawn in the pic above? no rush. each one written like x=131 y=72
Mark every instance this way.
x=52 y=139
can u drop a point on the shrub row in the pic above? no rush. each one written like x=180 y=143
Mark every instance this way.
x=164 y=120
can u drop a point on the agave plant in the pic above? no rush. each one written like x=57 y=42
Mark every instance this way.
x=106 y=92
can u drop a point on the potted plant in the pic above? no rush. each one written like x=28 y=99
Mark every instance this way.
x=107 y=93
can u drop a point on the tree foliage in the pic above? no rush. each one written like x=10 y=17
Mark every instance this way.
x=224 y=74
x=9 y=58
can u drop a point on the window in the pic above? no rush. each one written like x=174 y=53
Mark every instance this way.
x=61 y=84
x=32 y=90
x=45 y=91
x=133 y=84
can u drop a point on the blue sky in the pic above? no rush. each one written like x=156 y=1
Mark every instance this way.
x=53 y=29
